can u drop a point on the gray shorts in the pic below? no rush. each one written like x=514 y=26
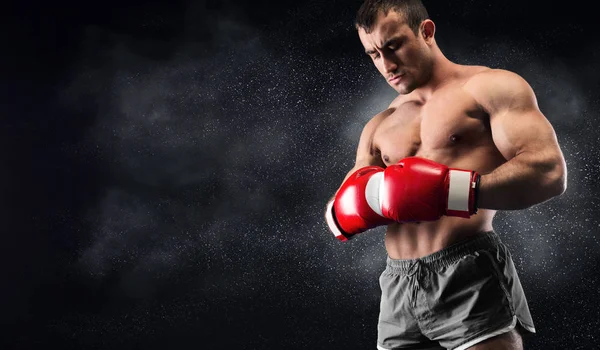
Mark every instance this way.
x=453 y=299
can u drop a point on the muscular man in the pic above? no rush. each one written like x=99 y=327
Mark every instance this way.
x=457 y=144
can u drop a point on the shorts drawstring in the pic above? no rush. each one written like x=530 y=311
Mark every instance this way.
x=414 y=274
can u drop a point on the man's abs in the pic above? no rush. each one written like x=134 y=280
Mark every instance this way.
x=415 y=240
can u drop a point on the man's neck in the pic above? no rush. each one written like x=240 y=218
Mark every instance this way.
x=442 y=70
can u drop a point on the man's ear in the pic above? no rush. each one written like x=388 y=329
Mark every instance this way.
x=427 y=30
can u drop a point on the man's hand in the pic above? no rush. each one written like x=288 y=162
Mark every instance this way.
x=356 y=206
x=418 y=189
x=415 y=189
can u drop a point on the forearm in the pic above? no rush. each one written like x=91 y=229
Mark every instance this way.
x=525 y=180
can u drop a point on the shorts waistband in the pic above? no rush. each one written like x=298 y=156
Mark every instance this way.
x=446 y=256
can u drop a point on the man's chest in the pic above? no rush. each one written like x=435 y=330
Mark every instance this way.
x=445 y=123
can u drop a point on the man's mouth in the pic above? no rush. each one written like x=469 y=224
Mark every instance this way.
x=396 y=78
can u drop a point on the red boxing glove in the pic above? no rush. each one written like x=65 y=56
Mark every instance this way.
x=356 y=206
x=418 y=189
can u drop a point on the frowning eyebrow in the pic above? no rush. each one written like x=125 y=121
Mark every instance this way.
x=387 y=43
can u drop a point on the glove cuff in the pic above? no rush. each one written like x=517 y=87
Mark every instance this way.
x=463 y=188
x=333 y=224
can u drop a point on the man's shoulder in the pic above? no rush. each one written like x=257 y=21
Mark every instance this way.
x=495 y=83
x=495 y=88
x=485 y=76
x=379 y=117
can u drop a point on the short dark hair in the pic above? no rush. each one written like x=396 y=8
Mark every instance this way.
x=413 y=10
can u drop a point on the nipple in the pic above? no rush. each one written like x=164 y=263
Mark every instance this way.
x=454 y=138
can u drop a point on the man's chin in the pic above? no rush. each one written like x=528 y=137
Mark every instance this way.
x=401 y=89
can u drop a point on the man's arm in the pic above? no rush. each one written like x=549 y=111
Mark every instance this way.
x=364 y=152
x=535 y=170
x=353 y=208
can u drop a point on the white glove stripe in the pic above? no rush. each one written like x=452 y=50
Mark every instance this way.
x=458 y=193
x=372 y=192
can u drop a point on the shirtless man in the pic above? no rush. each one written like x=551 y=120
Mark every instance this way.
x=457 y=144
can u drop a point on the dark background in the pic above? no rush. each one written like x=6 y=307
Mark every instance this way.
x=165 y=165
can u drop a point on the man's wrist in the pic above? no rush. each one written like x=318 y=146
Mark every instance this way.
x=476 y=190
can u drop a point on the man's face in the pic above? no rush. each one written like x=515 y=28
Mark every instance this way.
x=402 y=57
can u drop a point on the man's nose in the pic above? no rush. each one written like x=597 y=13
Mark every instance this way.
x=389 y=65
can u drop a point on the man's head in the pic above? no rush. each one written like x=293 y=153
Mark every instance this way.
x=398 y=36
